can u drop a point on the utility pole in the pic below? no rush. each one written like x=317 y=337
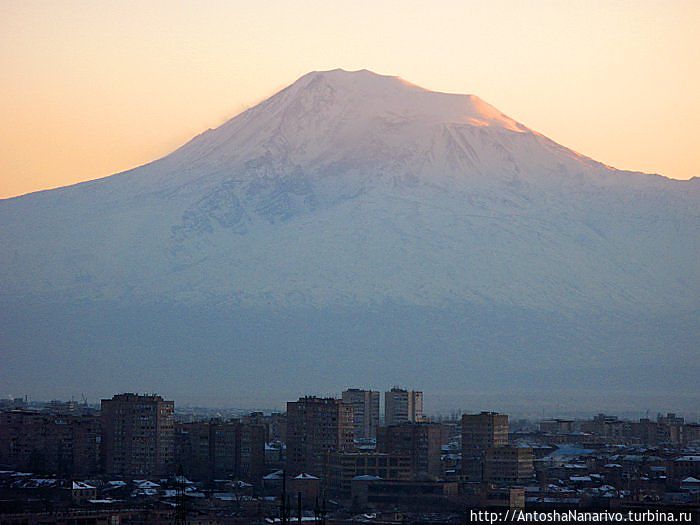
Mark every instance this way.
x=180 y=498
x=283 y=499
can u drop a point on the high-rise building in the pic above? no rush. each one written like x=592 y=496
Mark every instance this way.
x=43 y=441
x=419 y=441
x=481 y=432
x=403 y=406
x=315 y=428
x=671 y=429
x=557 y=426
x=86 y=437
x=193 y=452
x=217 y=449
x=252 y=462
x=509 y=465
x=365 y=410
x=137 y=435
x=225 y=448
x=275 y=424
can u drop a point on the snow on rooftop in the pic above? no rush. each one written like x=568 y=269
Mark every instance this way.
x=240 y=484
x=80 y=485
x=304 y=475
x=35 y=483
x=569 y=451
x=145 y=484
x=688 y=458
x=183 y=479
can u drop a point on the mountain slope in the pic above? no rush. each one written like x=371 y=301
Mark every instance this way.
x=351 y=190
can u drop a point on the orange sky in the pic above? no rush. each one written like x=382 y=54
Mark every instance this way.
x=92 y=88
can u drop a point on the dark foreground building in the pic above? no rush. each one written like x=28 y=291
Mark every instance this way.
x=217 y=449
x=63 y=444
x=315 y=428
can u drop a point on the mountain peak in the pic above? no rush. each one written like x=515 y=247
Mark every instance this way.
x=364 y=80
x=343 y=114
x=412 y=99
x=340 y=73
x=373 y=95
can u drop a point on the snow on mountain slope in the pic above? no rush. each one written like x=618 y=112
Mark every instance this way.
x=352 y=187
x=356 y=228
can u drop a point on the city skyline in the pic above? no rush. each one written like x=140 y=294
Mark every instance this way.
x=528 y=410
x=136 y=453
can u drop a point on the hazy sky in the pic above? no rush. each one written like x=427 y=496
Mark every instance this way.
x=90 y=88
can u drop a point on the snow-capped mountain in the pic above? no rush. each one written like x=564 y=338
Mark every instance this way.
x=357 y=190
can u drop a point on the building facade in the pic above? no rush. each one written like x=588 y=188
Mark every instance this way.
x=481 y=432
x=509 y=465
x=53 y=443
x=138 y=435
x=217 y=449
x=403 y=406
x=315 y=428
x=252 y=460
x=365 y=410
x=419 y=441
x=344 y=466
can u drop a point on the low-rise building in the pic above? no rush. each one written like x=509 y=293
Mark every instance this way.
x=344 y=466
x=370 y=490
